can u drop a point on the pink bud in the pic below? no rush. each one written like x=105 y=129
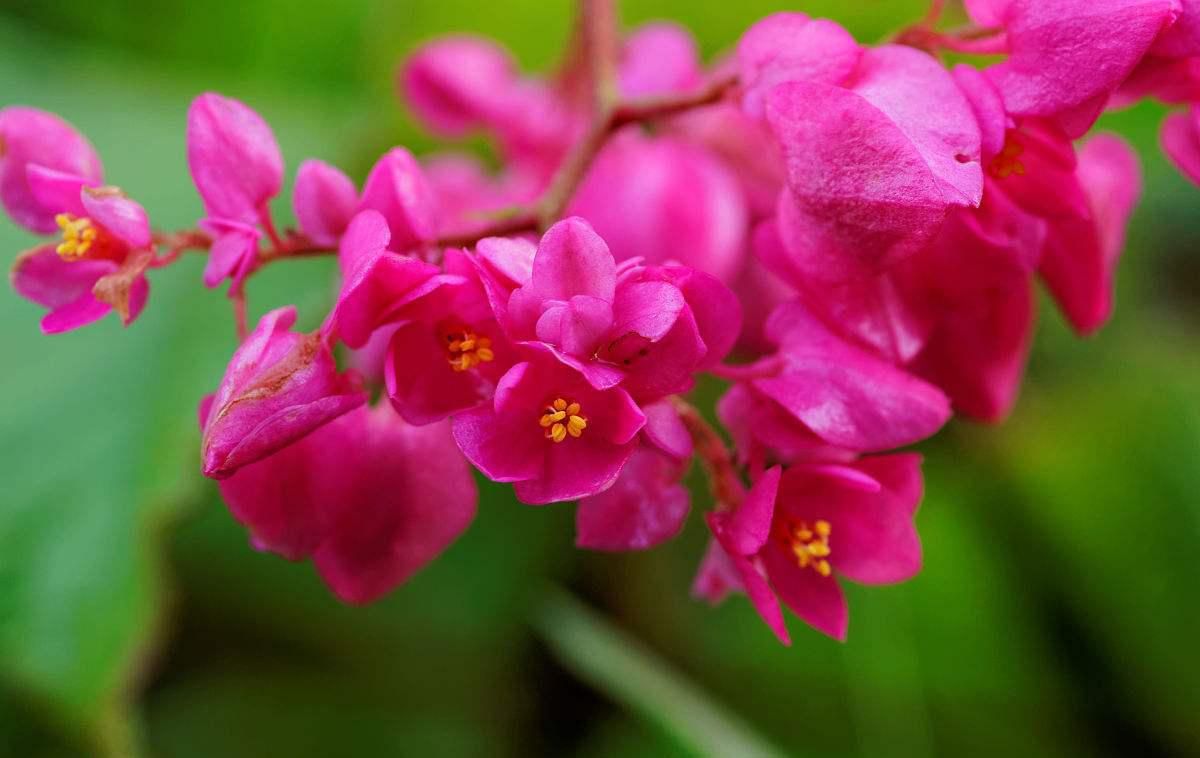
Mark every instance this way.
x=234 y=159
x=278 y=387
x=324 y=201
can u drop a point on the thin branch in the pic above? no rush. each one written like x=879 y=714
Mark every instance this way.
x=723 y=481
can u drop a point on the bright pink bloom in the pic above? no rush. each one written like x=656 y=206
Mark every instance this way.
x=449 y=357
x=873 y=167
x=647 y=505
x=550 y=432
x=369 y=498
x=324 y=201
x=99 y=264
x=279 y=386
x=853 y=520
x=841 y=395
x=677 y=204
x=634 y=325
x=237 y=168
x=31 y=137
x=1066 y=58
x=791 y=47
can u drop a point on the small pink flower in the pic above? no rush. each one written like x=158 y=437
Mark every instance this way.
x=237 y=168
x=631 y=324
x=648 y=504
x=106 y=246
x=550 y=432
x=792 y=534
x=396 y=187
x=369 y=498
x=279 y=386
x=31 y=137
x=843 y=395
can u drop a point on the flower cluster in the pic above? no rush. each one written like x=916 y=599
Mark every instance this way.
x=860 y=226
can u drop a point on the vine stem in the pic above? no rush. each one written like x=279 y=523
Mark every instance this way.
x=714 y=455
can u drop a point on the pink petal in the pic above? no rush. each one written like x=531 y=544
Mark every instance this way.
x=646 y=308
x=573 y=260
x=1080 y=257
x=789 y=47
x=746 y=529
x=575 y=326
x=1182 y=38
x=234 y=159
x=666 y=431
x=846 y=396
x=658 y=58
x=397 y=188
x=761 y=596
x=366 y=237
x=1181 y=142
x=56 y=191
x=988 y=107
x=644 y=508
x=324 y=200
x=378 y=292
x=234 y=251
x=33 y=137
x=124 y=218
x=574 y=469
x=414 y=497
x=716 y=577
x=656 y=369
x=816 y=599
x=1068 y=57
x=987 y=12
x=716 y=309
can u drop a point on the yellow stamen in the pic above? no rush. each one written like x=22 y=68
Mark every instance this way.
x=809 y=545
x=466 y=349
x=1007 y=161
x=79 y=234
x=561 y=418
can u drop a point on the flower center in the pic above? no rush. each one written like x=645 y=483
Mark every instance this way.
x=809 y=545
x=79 y=235
x=1007 y=161
x=465 y=349
x=561 y=418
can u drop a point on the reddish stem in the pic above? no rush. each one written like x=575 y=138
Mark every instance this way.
x=715 y=458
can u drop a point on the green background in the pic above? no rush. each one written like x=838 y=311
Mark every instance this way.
x=1058 y=612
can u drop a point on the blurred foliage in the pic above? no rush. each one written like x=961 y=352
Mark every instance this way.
x=1056 y=614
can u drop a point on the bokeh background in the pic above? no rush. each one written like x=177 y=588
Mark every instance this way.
x=1058 y=613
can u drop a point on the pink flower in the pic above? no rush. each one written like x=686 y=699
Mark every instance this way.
x=100 y=262
x=676 y=203
x=30 y=137
x=279 y=386
x=822 y=391
x=1067 y=58
x=237 y=168
x=550 y=432
x=369 y=498
x=658 y=58
x=793 y=533
x=648 y=504
x=873 y=167
x=634 y=325
x=324 y=201
x=450 y=357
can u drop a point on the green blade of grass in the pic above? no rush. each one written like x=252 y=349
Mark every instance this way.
x=618 y=665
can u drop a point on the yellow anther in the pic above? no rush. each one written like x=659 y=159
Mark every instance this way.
x=1007 y=161
x=78 y=236
x=465 y=349
x=808 y=544
x=561 y=418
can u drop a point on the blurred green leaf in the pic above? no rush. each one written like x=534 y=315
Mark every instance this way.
x=630 y=674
